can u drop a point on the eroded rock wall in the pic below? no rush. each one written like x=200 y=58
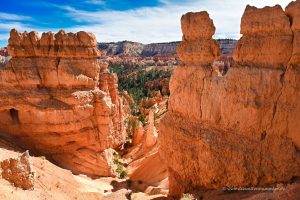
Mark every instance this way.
x=56 y=99
x=240 y=129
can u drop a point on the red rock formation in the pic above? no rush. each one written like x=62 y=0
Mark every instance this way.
x=58 y=100
x=18 y=171
x=292 y=10
x=61 y=44
x=197 y=47
x=267 y=38
x=145 y=168
x=240 y=129
x=165 y=90
x=148 y=103
x=162 y=85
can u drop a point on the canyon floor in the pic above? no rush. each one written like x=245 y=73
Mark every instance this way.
x=54 y=182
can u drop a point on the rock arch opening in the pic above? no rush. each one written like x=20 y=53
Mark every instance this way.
x=14 y=114
x=222 y=66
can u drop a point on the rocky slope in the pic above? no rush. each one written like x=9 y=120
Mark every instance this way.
x=238 y=129
x=54 y=183
x=155 y=49
x=57 y=100
x=50 y=183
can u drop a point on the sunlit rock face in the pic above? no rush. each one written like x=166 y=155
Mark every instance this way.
x=197 y=46
x=240 y=129
x=57 y=100
x=267 y=38
x=293 y=12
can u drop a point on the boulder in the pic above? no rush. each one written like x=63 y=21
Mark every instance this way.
x=18 y=171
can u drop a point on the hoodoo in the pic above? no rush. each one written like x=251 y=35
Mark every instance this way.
x=240 y=129
x=57 y=100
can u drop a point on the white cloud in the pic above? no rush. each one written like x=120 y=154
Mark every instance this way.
x=148 y=24
x=9 y=21
x=159 y=24
x=8 y=16
x=95 y=2
x=7 y=26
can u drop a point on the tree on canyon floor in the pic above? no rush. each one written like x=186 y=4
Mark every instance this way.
x=135 y=84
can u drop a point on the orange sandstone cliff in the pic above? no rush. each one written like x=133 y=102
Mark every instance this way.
x=58 y=100
x=239 y=129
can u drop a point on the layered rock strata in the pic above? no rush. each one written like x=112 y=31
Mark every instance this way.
x=58 y=100
x=135 y=49
x=240 y=129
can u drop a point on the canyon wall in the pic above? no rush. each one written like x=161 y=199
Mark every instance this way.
x=240 y=129
x=159 y=49
x=58 y=100
x=156 y=49
x=124 y=47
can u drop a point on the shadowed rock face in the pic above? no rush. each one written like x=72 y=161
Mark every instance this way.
x=57 y=99
x=241 y=129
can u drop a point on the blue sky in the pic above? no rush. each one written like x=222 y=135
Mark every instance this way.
x=144 y=21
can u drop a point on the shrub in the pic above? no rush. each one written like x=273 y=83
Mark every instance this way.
x=121 y=170
x=142 y=119
x=158 y=115
x=132 y=126
x=119 y=166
